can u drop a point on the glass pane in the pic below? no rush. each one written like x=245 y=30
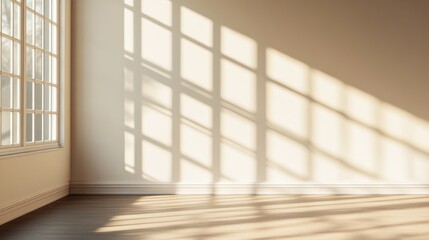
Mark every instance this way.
x=16 y=93
x=16 y=126
x=6 y=17
x=6 y=55
x=54 y=99
x=38 y=96
x=39 y=6
x=48 y=8
x=30 y=95
x=6 y=122
x=46 y=37
x=17 y=21
x=30 y=27
x=6 y=92
x=47 y=68
x=46 y=127
x=39 y=65
x=47 y=98
x=29 y=127
x=30 y=62
x=16 y=58
x=30 y=4
x=54 y=127
x=54 y=74
x=38 y=127
x=54 y=39
x=39 y=32
x=54 y=13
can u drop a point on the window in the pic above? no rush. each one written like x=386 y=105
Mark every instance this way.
x=29 y=81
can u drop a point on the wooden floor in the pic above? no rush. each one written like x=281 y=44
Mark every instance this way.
x=197 y=217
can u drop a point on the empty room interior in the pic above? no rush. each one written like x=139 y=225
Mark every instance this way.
x=214 y=119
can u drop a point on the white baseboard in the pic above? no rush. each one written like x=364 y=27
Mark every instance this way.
x=258 y=188
x=31 y=203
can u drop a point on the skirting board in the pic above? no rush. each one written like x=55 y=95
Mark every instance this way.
x=31 y=203
x=258 y=188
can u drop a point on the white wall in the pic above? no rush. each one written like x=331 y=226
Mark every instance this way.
x=31 y=180
x=249 y=92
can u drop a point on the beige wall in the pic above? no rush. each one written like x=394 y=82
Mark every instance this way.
x=26 y=177
x=250 y=91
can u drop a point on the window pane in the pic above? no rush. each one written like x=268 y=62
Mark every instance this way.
x=30 y=62
x=47 y=68
x=29 y=127
x=38 y=65
x=46 y=36
x=16 y=93
x=6 y=122
x=16 y=127
x=6 y=55
x=30 y=4
x=47 y=98
x=17 y=58
x=54 y=74
x=54 y=13
x=48 y=8
x=6 y=92
x=38 y=96
x=6 y=17
x=30 y=28
x=54 y=127
x=30 y=95
x=54 y=39
x=54 y=99
x=17 y=21
x=38 y=127
x=46 y=127
x=39 y=31
x=39 y=6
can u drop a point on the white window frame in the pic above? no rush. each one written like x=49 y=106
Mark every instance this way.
x=23 y=146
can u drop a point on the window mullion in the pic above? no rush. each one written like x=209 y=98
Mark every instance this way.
x=23 y=73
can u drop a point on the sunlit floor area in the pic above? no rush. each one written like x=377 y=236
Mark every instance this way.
x=196 y=217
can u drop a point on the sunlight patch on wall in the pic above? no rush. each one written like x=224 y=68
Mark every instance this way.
x=287 y=160
x=196 y=145
x=128 y=30
x=196 y=65
x=191 y=172
x=328 y=170
x=196 y=26
x=238 y=129
x=160 y=10
x=238 y=47
x=129 y=152
x=394 y=122
x=361 y=147
x=419 y=136
x=196 y=111
x=156 y=43
x=328 y=130
x=287 y=110
x=238 y=85
x=129 y=116
x=237 y=165
x=395 y=160
x=287 y=71
x=156 y=92
x=156 y=162
x=157 y=124
x=327 y=90
x=361 y=106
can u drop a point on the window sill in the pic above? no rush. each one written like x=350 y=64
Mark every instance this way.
x=29 y=150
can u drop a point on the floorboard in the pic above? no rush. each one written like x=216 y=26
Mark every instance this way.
x=198 y=217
